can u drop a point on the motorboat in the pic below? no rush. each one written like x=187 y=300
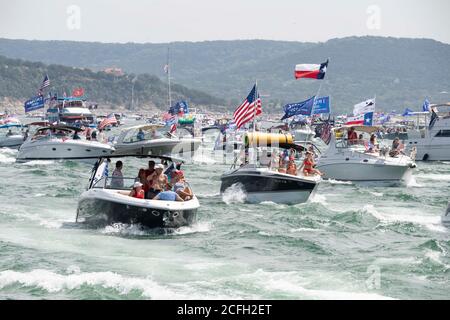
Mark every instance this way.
x=260 y=179
x=155 y=138
x=105 y=203
x=433 y=141
x=11 y=135
x=61 y=142
x=71 y=111
x=352 y=160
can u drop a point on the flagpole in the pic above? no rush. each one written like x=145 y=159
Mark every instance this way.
x=168 y=77
x=256 y=106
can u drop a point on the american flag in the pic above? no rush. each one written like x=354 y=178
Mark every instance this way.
x=250 y=108
x=45 y=83
x=110 y=119
x=325 y=134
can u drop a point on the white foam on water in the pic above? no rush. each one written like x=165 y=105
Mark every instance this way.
x=195 y=228
x=305 y=230
x=292 y=283
x=435 y=256
x=435 y=177
x=399 y=214
x=201 y=158
x=53 y=282
x=124 y=229
x=332 y=181
x=234 y=194
x=7 y=155
x=318 y=198
x=201 y=266
x=376 y=194
x=37 y=163
x=411 y=182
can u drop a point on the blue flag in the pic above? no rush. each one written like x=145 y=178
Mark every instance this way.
x=368 y=119
x=303 y=108
x=426 y=105
x=407 y=112
x=322 y=105
x=34 y=103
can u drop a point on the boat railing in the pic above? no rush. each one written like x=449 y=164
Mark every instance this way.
x=116 y=183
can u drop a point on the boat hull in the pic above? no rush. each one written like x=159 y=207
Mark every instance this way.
x=350 y=171
x=97 y=209
x=429 y=151
x=160 y=148
x=273 y=187
x=58 y=150
x=13 y=142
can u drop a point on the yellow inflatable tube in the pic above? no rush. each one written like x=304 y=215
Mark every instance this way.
x=266 y=139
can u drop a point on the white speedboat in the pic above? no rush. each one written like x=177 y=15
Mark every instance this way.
x=104 y=203
x=260 y=181
x=351 y=161
x=60 y=142
x=11 y=135
x=433 y=142
x=156 y=138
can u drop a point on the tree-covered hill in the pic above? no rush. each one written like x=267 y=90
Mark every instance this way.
x=21 y=79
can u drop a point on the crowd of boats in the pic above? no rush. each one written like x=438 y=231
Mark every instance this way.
x=270 y=160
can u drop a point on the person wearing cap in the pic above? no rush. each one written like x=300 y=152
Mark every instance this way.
x=180 y=186
x=158 y=181
x=137 y=191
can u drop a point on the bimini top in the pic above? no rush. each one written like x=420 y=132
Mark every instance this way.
x=366 y=129
x=11 y=125
x=145 y=127
x=262 y=139
x=60 y=127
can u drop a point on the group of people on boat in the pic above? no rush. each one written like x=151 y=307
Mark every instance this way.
x=156 y=182
x=372 y=145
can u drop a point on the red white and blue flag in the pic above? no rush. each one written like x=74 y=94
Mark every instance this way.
x=109 y=120
x=311 y=71
x=360 y=120
x=45 y=83
x=248 y=109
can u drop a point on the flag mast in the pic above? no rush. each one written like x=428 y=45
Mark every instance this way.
x=256 y=105
x=169 y=97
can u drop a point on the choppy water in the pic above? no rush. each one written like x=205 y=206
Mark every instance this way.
x=350 y=241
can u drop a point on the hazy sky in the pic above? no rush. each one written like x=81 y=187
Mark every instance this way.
x=198 y=20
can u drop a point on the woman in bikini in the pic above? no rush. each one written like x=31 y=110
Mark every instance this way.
x=308 y=165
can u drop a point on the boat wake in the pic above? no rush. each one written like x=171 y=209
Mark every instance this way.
x=234 y=194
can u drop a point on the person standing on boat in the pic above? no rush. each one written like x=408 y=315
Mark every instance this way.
x=101 y=136
x=117 y=176
x=352 y=136
x=158 y=181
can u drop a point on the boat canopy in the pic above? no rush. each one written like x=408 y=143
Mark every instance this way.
x=59 y=127
x=262 y=139
x=11 y=125
x=366 y=129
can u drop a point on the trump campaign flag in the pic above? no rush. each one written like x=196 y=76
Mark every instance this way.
x=311 y=71
x=34 y=103
x=321 y=105
x=364 y=107
x=299 y=108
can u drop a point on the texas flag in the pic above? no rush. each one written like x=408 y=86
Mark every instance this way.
x=361 y=120
x=311 y=71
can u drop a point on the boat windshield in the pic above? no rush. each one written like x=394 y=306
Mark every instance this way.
x=139 y=134
x=116 y=183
